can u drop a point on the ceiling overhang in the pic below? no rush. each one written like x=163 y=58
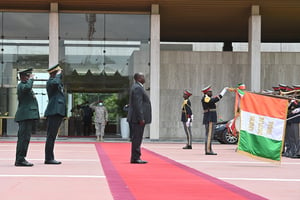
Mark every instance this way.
x=93 y=83
x=193 y=20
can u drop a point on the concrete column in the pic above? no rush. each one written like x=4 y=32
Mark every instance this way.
x=53 y=35
x=12 y=95
x=155 y=71
x=70 y=105
x=255 y=48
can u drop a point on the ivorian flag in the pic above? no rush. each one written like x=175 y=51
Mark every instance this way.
x=263 y=120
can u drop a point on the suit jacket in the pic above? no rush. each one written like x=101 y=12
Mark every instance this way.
x=28 y=106
x=56 y=97
x=139 y=105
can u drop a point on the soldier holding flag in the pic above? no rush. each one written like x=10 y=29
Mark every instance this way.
x=210 y=115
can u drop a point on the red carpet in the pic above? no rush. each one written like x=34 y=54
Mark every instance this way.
x=161 y=178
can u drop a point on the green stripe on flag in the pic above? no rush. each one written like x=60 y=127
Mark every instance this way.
x=241 y=92
x=259 y=146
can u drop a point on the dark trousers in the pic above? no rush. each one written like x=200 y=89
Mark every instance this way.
x=24 y=134
x=78 y=126
x=53 y=123
x=87 y=128
x=188 y=132
x=292 y=140
x=209 y=134
x=137 y=132
x=297 y=136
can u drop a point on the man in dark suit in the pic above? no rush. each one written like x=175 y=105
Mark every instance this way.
x=55 y=111
x=27 y=113
x=139 y=114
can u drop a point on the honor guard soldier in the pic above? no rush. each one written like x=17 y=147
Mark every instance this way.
x=27 y=113
x=292 y=131
x=292 y=136
x=276 y=90
x=187 y=118
x=210 y=115
x=296 y=87
x=282 y=87
x=289 y=88
x=55 y=111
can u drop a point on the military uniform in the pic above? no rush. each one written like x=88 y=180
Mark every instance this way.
x=101 y=118
x=27 y=113
x=292 y=136
x=186 y=118
x=276 y=90
x=210 y=116
x=55 y=111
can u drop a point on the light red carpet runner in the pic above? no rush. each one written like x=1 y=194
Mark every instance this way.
x=161 y=178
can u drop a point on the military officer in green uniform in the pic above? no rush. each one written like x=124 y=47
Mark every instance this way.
x=55 y=111
x=27 y=113
x=210 y=116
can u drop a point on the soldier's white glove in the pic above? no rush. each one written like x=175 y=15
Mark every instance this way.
x=297 y=110
x=192 y=117
x=188 y=122
x=223 y=91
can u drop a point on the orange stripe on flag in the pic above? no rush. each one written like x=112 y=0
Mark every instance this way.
x=264 y=105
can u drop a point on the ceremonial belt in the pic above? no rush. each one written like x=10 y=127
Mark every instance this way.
x=207 y=110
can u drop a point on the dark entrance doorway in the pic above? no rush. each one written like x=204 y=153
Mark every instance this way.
x=89 y=88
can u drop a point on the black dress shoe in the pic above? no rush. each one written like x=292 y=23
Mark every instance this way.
x=187 y=147
x=138 y=162
x=24 y=163
x=210 y=153
x=295 y=156
x=52 y=162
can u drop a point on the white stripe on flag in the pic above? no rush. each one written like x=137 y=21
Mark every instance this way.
x=265 y=126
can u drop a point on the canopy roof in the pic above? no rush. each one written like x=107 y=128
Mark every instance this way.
x=194 y=20
x=92 y=83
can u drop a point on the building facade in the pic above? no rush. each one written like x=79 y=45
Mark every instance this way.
x=115 y=39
